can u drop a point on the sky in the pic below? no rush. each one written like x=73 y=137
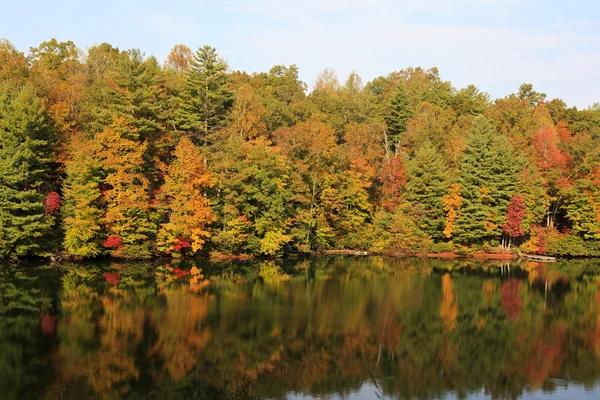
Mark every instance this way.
x=494 y=44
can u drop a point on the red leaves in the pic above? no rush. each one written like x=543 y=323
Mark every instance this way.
x=511 y=301
x=546 y=143
x=393 y=180
x=514 y=217
x=48 y=324
x=112 y=278
x=182 y=244
x=52 y=203
x=113 y=242
x=180 y=273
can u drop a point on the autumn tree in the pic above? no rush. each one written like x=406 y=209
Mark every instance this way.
x=246 y=114
x=125 y=191
x=532 y=97
x=312 y=148
x=13 y=66
x=393 y=182
x=183 y=197
x=513 y=226
x=553 y=166
x=82 y=212
x=180 y=58
x=452 y=204
x=254 y=205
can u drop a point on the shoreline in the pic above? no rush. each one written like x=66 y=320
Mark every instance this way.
x=246 y=257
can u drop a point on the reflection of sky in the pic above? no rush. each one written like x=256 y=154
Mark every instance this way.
x=369 y=391
x=494 y=44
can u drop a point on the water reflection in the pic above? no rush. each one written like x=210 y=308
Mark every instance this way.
x=318 y=328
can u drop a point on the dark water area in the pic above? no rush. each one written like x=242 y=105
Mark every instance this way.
x=319 y=328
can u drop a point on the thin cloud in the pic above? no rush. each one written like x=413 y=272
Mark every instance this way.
x=166 y=24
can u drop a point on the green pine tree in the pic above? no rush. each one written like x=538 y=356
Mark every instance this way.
x=25 y=154
x=427 y=184
x=208 y=96
x=398 y=114
x=489 y=176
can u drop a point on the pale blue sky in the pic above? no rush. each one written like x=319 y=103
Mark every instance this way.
x=494 y=44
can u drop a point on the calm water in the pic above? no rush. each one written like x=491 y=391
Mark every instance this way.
x=325 y=328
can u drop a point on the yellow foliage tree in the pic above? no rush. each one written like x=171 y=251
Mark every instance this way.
x=127 y=199
x=246 y=116
x=182 y=195
x=448 y=306
x=452 y=204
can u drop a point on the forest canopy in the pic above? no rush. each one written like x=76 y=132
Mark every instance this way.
x=111 y=152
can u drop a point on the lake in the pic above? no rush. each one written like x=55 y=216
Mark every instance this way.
x=317 y=328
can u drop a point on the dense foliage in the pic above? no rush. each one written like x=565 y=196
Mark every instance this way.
x=108 y=152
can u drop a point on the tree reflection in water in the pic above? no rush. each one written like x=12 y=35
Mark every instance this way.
x=412 y=328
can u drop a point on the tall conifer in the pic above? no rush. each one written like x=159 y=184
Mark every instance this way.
x=25 y=156
x=489 y=177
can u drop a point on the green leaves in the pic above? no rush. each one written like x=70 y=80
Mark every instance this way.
x=25 y=154
x=207 y=97
x=489 y=176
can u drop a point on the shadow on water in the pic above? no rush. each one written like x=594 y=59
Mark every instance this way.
x=336 y=327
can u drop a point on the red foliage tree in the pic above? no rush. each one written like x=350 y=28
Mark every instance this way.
x=113 y=242
x=514 y=217
x=48 y=324
x=547 y=145
x=52 y=203
x=180 y=273
x=112 y=278
x=511 y=301
x=182 y=244
x=393 y=180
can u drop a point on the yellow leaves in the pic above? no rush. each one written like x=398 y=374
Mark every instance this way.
x=273 y=241
x=181 y=332
x=197 y=281
x=490 y=226
x=122 y=158
x=484 y=195
x=452 y=204
x=246 y=116
x=183 y=197
x=448 y=306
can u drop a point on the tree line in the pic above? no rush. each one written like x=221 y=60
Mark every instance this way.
x=110 y=152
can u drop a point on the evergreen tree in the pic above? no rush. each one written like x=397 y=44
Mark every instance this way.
x=489 y=177
x=208 y=96
x=25 y=156
x=427 y=184
x=399 y=112
x=137 y=95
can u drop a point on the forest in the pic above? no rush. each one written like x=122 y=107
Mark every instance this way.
x=110 y=152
